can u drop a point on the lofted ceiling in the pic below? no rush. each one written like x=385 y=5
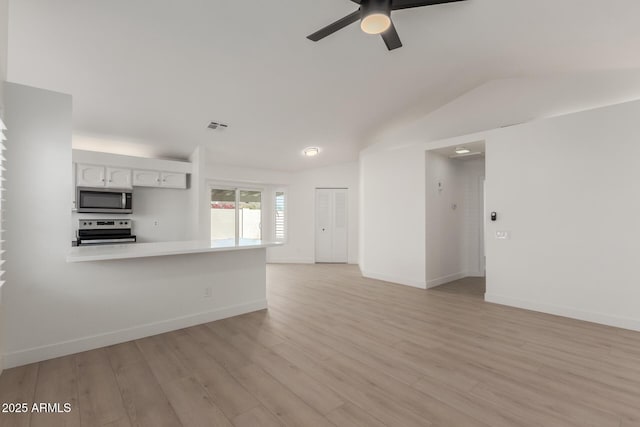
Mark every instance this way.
x=148 y=77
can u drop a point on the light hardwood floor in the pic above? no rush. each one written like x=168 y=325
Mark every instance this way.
x=337 y=349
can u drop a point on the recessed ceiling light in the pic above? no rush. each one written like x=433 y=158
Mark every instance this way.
x=462 y=150
x=311 y=151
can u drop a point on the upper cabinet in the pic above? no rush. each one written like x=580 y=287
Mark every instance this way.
x=173 y=180
x=118 y=178
x=90 y=176
x=102 y=176
x=144 y=178
x=112 y=177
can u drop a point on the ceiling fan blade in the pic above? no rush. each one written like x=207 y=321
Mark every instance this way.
x=391 y=38
x=338 y=25
x=408 y=4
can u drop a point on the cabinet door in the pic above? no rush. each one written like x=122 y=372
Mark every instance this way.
x=90 y=176
x=173 y=180
x=146 y=178
x=118 y=178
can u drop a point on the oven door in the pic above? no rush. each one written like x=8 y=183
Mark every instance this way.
x=99 y=200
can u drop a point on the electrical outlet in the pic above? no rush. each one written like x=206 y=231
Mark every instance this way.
x=207 y=292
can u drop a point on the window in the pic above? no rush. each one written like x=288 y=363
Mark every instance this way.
x=250 y=210
x=279 y=226
x=236 y=214
x=223 y=214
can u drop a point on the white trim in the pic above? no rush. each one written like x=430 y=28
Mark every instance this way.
x=37 y=354
x=474 y=274
x=395 y=279
x=573 y=313
x=445 y=279
x=291 y=261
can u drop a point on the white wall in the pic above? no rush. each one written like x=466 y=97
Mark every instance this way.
x=301 y=211
x=169 y=208
x=300 y=188
x=444 y=220
x=473 y=174
x=567 y=189
x=54 y=307
x=563 y=187
x=392 y=247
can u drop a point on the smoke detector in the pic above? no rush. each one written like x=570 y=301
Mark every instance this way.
x=216 y=125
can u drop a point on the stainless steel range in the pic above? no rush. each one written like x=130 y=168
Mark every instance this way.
x=104 y=231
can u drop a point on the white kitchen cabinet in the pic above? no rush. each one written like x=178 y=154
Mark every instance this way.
x=173 y=180
x=143 y=178
x=118 y=178
x=90 y=175
x=102 y=176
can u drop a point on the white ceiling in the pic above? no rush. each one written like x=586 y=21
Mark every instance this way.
x=147 y=77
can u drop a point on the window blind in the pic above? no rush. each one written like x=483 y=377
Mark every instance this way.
x=2 y=169
x=280 y=216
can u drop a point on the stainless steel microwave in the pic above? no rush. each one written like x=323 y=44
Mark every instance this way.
x=104 y=200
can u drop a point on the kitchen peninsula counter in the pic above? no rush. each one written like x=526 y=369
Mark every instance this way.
x=144 y=250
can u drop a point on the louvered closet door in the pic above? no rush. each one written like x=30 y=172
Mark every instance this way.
x=331 y=225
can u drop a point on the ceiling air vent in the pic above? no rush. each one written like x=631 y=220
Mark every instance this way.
x=216 y=125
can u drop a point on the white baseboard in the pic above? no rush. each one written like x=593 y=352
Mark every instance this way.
x=573 y=313
x=445 y=279
x=37 y=354
x=475 y=274
x=394 y=279
x=291 y=261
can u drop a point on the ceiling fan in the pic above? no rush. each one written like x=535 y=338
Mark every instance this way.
x=375 y=18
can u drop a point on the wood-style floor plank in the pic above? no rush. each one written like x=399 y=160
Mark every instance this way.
x=279 y=400
x=314 y=393
x=144 y=400
x=256 y=417
x=349 y=415
x=99 y=397
x=193 y=405
x=223 y=389
x=337 y=349
x=57 y=383
x=18 y=385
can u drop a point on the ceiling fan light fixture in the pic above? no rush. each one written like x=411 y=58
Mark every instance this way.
x=375 y=23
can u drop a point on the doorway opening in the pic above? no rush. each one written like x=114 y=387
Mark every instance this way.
x=455 y=218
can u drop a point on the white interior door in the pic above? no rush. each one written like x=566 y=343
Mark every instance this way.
x=331 y=225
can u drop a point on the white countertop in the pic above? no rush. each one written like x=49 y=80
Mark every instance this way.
x=142 y=250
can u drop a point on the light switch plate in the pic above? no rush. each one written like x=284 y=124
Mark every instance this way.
x=503 y=235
